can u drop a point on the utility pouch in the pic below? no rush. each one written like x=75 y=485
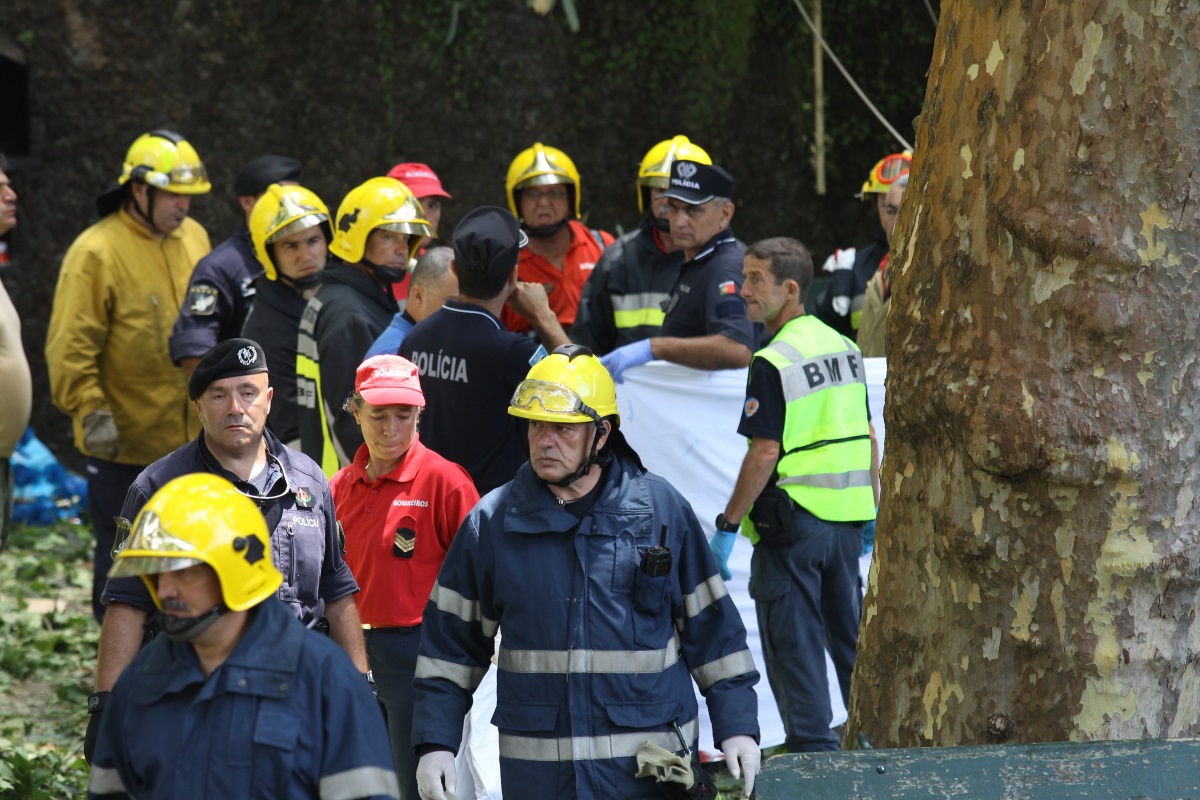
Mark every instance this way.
x=774 y=518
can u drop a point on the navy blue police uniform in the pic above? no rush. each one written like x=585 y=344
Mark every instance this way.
x=295 y=499
x=707 y=298
x=219 y=296
x=470 y=365
x=622 y=299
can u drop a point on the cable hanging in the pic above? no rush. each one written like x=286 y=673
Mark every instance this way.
x=846 y=75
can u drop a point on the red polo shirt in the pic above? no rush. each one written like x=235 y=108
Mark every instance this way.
x=582 y=255
x=425 y=494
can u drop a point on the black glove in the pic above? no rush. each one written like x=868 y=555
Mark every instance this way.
x=96 y=703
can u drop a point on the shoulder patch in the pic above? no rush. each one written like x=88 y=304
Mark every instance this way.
x=751 y=406
x=726 y=288
x=202 y=299
x=538 y=355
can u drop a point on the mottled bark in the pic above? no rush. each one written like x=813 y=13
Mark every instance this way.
x=1037 y=562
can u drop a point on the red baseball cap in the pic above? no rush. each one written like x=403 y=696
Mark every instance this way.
x=420 y=179
x=389 y=381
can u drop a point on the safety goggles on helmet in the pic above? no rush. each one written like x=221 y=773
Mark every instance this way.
x=885 y=173
x=892 y=167
x=553 y=398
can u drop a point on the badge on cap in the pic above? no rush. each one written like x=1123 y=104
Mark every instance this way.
x=304 y=497
x=202 y=300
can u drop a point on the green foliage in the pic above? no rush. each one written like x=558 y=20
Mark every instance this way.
x=45 y=772
x=46 y=662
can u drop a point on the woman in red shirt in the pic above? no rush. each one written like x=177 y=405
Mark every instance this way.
x=400 y=505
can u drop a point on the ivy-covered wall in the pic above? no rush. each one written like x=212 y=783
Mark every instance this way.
x=352 y=88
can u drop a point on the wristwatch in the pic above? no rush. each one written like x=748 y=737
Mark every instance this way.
x=725 y=525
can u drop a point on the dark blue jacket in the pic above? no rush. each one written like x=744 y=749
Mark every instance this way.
x=305 y=543
x=622 y=299
x=220 y=293
x=286 y=715
x=596 y=657
x=274 y=322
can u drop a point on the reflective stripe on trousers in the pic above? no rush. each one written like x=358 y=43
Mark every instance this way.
x=588 y=661
x=586 y=748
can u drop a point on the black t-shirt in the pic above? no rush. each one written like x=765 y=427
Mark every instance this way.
x=470 y=365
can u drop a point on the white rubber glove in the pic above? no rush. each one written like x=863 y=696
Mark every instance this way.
x=742 y=756
x=841 y=305
x=100 y=435
x=841 y=259
x=433 y=770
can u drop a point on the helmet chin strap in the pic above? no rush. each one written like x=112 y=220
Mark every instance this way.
x=147 y=215
x=388 y=275
x=187 y=629
x=300 y=284
x=544 y=231
x=594 y=458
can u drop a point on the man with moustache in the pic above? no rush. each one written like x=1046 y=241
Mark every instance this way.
x=232 y=398
x=237 y=699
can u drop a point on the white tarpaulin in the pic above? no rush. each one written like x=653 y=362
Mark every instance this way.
x=683 y=423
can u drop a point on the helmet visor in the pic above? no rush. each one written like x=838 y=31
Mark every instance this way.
x=152 y=549
x=295 y=226
x=554 y=398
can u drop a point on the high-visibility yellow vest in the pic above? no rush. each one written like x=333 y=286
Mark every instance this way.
x=316 y=440
x=826 y=461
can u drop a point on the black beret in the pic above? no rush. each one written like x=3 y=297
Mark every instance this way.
x=260 y=173
x=489 y=239
x=231 y=358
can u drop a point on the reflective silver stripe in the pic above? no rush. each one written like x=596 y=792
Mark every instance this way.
x=464 y=677
x=705 y=595
x=360 y=782
x=105 y=781
x=833 y=369
x=454 y=603
x=636 y=302
x=587 y=748
x=729 y=666
x=855 y=478
x=588 y=661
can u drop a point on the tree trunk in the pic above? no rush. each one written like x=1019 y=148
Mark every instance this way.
x=1035 y=575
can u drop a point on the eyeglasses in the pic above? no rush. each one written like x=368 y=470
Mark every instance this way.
x=554 y=398
x=892 y=167
x=554 y=194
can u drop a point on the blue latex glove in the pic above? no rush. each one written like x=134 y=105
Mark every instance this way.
x=721 y=545
x=631 y=355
